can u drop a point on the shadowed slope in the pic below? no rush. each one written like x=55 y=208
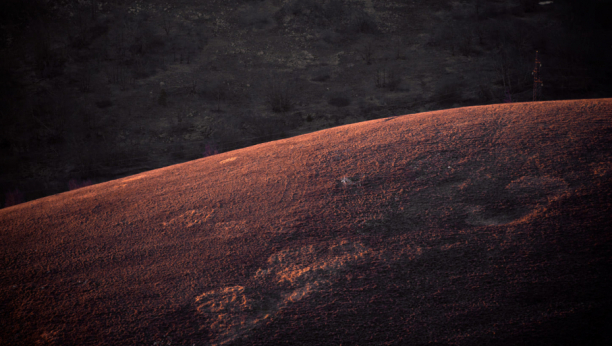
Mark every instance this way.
x=467 y=226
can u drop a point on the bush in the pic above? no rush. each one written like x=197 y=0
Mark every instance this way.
x=280 y=95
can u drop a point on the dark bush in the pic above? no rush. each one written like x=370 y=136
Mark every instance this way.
x=280 y=95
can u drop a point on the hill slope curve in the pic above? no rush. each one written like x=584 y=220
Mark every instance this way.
x=469 y=226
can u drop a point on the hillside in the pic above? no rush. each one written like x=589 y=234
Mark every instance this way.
x=96 y=90
x=471 y=226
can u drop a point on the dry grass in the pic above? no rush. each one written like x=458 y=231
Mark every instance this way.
x=471 y=226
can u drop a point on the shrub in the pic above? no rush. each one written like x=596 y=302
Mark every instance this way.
x=13 y=198
x=280 y=95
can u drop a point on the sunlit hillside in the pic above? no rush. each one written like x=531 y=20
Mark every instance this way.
x=470 y=226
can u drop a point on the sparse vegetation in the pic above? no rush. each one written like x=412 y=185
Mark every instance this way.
x=280 y=94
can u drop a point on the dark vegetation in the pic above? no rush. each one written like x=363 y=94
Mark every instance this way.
x=102 y=89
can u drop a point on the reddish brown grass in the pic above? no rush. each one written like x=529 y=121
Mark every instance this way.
x=470 y=226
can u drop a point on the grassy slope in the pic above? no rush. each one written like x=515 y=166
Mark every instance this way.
x=465 y=226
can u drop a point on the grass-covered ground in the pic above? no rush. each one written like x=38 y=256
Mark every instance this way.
x=472 y=226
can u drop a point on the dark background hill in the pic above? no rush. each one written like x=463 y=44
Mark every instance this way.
x=96 y=90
